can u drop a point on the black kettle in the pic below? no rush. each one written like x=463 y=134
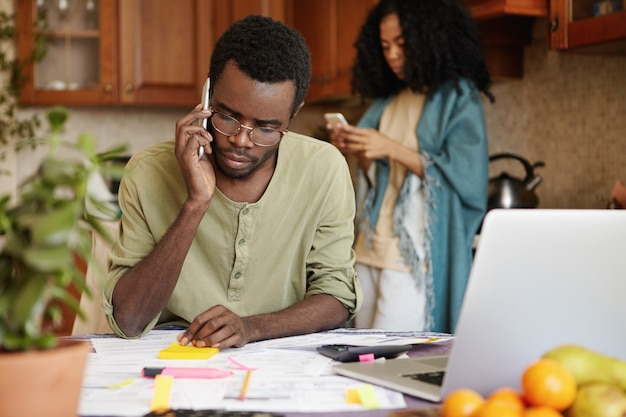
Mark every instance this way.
x=506 y=191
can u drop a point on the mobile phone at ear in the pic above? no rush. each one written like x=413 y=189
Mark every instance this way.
x=205 y=99
x=334 y=119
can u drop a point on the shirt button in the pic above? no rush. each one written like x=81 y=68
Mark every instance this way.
x=242 y=242
x=237 y=275
x=244 y=211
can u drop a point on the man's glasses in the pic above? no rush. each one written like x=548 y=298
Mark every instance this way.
x=260 y=136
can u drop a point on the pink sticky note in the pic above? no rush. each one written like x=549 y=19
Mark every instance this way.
x=366 y=357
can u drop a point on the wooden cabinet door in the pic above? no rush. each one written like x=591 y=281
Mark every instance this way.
x=574 y=26
x=316 y=21
x=330 y=28
x=164 y=49
x=226 y=12
x=80 y=67
x=351 y=16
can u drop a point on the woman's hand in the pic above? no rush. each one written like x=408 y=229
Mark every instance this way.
x=368 y=143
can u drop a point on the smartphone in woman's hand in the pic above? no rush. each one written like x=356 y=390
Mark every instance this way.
x=335 y=119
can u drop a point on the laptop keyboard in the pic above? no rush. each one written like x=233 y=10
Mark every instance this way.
x=435 y=378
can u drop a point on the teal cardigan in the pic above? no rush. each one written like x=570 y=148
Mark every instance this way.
x=452 y=138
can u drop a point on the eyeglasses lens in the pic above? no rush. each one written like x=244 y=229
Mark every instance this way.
x=229 y=126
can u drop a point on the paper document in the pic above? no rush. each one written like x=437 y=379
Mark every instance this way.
x=280 y=380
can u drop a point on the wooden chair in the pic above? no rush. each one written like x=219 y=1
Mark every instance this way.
x=96 y=322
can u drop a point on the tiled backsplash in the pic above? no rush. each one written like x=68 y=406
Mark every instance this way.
x=569 y=111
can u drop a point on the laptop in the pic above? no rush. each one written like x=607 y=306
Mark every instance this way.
x=540 y=278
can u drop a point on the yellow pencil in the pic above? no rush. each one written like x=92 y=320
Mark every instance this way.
x=244 y=388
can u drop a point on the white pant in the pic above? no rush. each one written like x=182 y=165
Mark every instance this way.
x=391 y=300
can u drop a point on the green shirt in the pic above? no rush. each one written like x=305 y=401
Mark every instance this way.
x=253 y=258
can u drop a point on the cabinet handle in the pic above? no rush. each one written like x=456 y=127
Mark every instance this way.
x=128 y=88
x=108 y=88
x=554 y=24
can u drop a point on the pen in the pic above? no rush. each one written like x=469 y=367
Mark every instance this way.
x=244 y=387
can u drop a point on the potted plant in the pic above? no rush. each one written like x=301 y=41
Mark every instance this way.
x=41 y=234
x=44 y=229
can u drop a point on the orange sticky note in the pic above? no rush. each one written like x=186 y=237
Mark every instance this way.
x=178 y=351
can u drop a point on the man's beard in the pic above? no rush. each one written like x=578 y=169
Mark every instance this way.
x=255 y=163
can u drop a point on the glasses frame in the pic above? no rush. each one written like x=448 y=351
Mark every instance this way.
x=250 y=129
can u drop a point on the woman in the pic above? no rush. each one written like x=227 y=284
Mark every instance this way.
x=423 y=162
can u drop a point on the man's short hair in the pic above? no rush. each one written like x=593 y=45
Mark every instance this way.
x=267 y=51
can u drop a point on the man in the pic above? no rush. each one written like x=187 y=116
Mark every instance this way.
x=252 y=240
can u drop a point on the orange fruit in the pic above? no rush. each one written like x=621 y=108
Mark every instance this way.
x=548 y=383
x=541 y=412
x=509 y=396
x=461 y=403
x=498 y=408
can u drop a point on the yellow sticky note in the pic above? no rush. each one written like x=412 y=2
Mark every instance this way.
x=352 y=396
x=162 y=392
x=178 y=351
x=368 y=397
x=364 y=395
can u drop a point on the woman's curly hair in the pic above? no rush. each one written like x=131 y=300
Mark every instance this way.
x=267 y=51
x=441 y=44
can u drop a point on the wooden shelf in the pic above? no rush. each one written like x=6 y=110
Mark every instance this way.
x=597 y=30
x=85 y=34
x=490 y=9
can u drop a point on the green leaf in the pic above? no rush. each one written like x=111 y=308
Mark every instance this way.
x=69 y=300
x=87 y=144
x=47 y=341
x=57 y=116
x=13 y=342
x=28 y=299
x=48 y=259
x=54 y=226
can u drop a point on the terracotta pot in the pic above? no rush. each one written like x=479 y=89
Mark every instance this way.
x=43 y=383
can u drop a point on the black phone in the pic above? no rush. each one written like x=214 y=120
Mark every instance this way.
x=350 y=353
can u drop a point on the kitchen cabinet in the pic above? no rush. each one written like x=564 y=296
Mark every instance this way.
x=130 y=52
x=166 y=46
x=164 y=49
x=123 y=52
x=226 y=12
x=109 y=52
x=157 y=68
x=506 y=28
x=490 y=9
x=80 y=65
x=588 y=26
x=330 y=28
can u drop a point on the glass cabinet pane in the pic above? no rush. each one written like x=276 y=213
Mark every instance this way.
x=584 y=9
x=73 y=41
